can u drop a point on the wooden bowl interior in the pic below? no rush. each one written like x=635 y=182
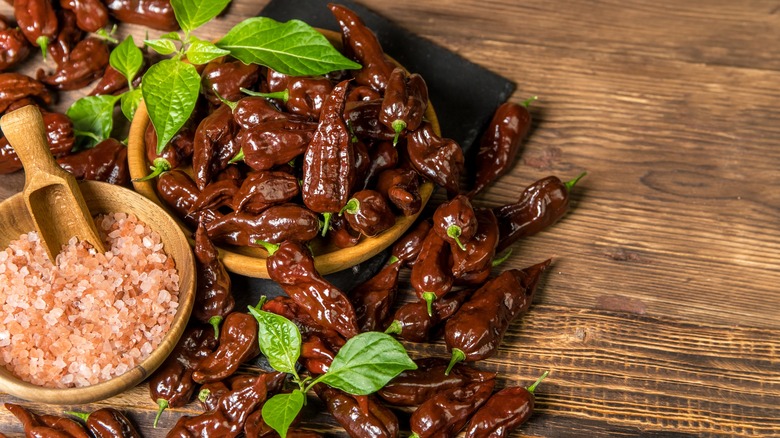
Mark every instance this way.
x=250 y=261
x=105 y=198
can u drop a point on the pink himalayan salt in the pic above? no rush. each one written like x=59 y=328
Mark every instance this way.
x=89 y=317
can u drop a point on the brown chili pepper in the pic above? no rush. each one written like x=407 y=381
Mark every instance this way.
x=405 y=102
x=316 y=356
x=264 y=189
x=407 y=248
x=157 y=14
x=411 y=322
x=363 y=120
x=375 y=422
x=210 y=393
x=341 y=234
x=60 y=136
x=374 y=298
x=14 y=48
x=381 y=156
x=287 y=307
x=476 y=330
x=115 y=83
x=85 y=64
x=540 y=205
x=432 y=274
x=171 y=385
x=46 y=426
x=226 y=79
x=362 y=45
x=438 y=159
x=305 y=96
x=105 y=162
x=37 y=21
x=455 y=221
x=255 y=427
x=91 y=15
x=237 y=344
x=362 y=163
x=276 y=224
x=291 y=264
x=68 y=35
x=252 y=111
x=414 y=387
x=273 y=143
x=475 y=278
x=480 y=249
x=179 y=192
x=215 y=134
x=447 y=411
x=367 y=212
x=213 y=299
x=16 y=86
x=174 y=154
x=402 y=188
x=500 y=143
x=216 y=195
x=363 y=92
x=329 y=162
x=504 y=412
x=108 y=423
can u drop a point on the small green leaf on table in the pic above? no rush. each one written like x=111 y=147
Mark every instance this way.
x=129 y=102
x=280 y=410
x=93 y=119
x=170 y=90
x=162 y=46
x=191 y=14
x=127 y=59
x=279 y=338
x=202 y=52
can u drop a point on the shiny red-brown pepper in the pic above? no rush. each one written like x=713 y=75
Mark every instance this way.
x=504 y=412
x=476 y=330
x=213 y=299
x=329 y=161
x=276 y=224
x=381 y=156
x=480 y=249
x=374 y=298
x=237 y=344
x=108 y=423
x=447 y=411
x=363 y=119
x=274 y=143
x=174 y=154
x=37 y=20
x=86 y=63
x=215 y=133
x=405 y=102
x=264 y=189
x=68 y=36
x=291 y=264
x=362 y=45
x=363 y=92
x=16 y=86
x=251 y=111
x=305 y=95
x=455 y=221
x=255 y=427
x=225 y=79
x=105 y=162
x=157 y=14
x=367 y=212
x=179 y=192
x=540 y=205
x=306 y=324
x=402 y=188
x=435 y=158
x=59 y=133
x=500 y=144
x=377 y=422
x=432 y=274
x=14 y=48
x=411 y=322
x=216 y=195
x=341 y=234
x=407 y=248
x=414 y=387
x=91 y=15
x=46 y=426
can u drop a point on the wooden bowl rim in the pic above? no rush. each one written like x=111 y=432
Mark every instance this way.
x=250 y=261
x=10 y=384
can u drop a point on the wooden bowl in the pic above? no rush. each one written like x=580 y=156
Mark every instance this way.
x=250 y=261
x=105 y=198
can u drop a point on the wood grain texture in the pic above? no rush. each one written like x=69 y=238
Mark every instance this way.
x=660 y=315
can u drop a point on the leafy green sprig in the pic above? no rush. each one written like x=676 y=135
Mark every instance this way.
x=365 y=364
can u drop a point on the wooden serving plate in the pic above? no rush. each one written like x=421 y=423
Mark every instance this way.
x=106 y=198
x=250 y=261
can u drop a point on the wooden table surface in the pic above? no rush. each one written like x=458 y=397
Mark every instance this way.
x=660 y=317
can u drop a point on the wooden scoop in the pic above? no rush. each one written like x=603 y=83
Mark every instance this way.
x=52 y=195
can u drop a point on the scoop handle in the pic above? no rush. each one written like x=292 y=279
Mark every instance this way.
x=51 y=194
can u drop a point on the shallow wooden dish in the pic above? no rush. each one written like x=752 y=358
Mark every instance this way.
x=105 y=198
x=250 y=261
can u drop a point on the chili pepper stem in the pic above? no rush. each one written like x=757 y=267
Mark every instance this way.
x=502 y=258
x=392 y=260
x=204 y=394
x=394 y=328
x=398 y=127
x=284 y=96
x=454 y=232
x=429 y=297
x=270 y=247
x=457 y=356
x=232 y=105
x=326 y=223
x=215 y=321
x=160 y=166
x=527 y=103
x=414 y=435
x=352 y=206
x=570 y=184
x=42 y=42
x=239 y=156
x=83 y=416
x=163 y=405
x=532 y=388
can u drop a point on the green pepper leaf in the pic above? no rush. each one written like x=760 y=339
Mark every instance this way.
x=93 y=119
x=129 y=102
x=162 y=46
x=280 y=410
x=279 y=338
x=127 y=59
x=171 y=36
x=366 y=363
x=191 y=14
x=170 y=90
x=291 y=48
x=202 y=52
